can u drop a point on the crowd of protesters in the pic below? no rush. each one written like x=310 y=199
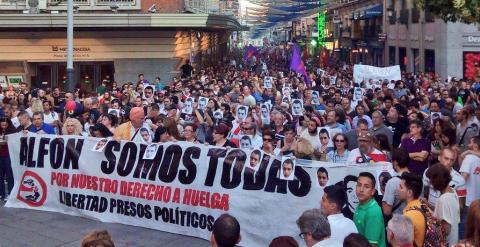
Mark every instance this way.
x=427 y=127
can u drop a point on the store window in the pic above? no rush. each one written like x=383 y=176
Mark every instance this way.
x=429 y=60
x=402 y=58
x=391 y=55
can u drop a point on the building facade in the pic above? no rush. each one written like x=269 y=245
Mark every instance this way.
x=420 y=42
x=356 y=28
x=114 y=43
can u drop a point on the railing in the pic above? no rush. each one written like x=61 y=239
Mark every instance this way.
x=119 y=2
x=75 y=2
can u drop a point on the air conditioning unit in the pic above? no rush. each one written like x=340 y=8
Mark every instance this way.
x=36 y=4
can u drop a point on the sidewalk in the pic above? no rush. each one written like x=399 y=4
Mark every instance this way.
x=32 y=228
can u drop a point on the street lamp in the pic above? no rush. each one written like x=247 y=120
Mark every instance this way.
x=70 y=71
x=390 y=11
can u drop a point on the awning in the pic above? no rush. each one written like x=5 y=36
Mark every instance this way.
x=372 y=11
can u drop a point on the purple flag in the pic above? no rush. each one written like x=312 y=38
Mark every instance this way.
x=251 y=51
x=296 y=64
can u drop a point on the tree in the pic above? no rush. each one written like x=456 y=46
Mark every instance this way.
x=467 y=11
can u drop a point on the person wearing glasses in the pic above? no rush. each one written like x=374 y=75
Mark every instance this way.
x=189 y=133
x=315 y=229
x=268 y=139
x=366 y=152
x=250 y=129
x=340 y=152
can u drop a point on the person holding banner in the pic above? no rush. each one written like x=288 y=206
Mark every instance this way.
x=129 y=131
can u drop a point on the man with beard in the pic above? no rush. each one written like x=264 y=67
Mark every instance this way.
x=366 y=152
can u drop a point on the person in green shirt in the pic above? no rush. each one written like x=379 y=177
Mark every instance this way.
x=102 y=88
x=368 y=217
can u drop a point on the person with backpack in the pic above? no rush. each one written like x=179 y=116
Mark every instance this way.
x=446 y=208
x=409 y=192
x=427 y=230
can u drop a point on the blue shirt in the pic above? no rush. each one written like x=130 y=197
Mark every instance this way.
x=45 y=127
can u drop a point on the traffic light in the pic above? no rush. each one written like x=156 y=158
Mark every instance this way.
x=313 y=43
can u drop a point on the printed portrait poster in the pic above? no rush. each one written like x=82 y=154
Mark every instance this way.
x=315 y=98
x=435 y=115
x=255 y=159
x=100 y=145
x=297 y=107
x=265 y=113
x=188 y=106
x=150 y=151
x=357 y=94
x=322 y=178
x=268 y=82
x=242 y=112
x=218 y=115
x=288 y=168
x=202 y=103
x=286 y=91
x=246 y=141
x=148 y=92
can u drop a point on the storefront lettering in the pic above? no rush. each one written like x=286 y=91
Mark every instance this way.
x=75 y=49
x=473 y=39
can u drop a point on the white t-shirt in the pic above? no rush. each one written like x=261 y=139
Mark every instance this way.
x=471 y=165
x=341 y=227
x=50 y=118
x=457 y=183
x=447 y=208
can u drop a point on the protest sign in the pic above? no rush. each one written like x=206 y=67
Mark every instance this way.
x=366 y=72
x=182 y=190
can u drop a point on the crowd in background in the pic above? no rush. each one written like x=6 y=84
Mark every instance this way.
x=426 y=126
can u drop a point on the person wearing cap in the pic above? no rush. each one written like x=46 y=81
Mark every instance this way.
x=366 y=152
x=331 y=204
x=129 y=131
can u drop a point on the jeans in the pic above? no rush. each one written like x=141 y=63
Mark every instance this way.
x=5 y=174
x=463 y=219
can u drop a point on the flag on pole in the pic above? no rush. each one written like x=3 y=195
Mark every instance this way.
x=251 y=51
x=296 y=64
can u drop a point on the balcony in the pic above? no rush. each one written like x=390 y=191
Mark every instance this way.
x=81 y=5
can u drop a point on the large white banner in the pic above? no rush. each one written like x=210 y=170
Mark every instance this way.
x=174 y=187
x=366 y=72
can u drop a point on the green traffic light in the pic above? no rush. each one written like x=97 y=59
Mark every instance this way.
x=313 y=42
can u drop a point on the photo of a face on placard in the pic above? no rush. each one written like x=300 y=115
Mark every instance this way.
x=297 y=107
x=322 y=178
x=357 y=94
x=286 y=91
x=267 y=82
x=288 y=168
x=245 y=141
x=350 y=183
x=286 y=99
x=315 y=98
x=435 y=115
x=254 y=163
x=148 y=92
x=242 y=112
x=188 y=106
x=202 y=103
x=100 y=145
x=150 y=151
x=115 y=112
x=218 y=115
x=264 y=111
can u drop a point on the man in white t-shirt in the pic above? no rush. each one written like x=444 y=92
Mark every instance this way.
x=333 y=200
x=447 y=158
x=50 y=117
x=470 y=170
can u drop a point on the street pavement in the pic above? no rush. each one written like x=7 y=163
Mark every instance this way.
x=32 y=228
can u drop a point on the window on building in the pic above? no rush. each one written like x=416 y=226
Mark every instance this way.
x=391 y=55
x=416 y=60
x=429 y=60
x=402 y=58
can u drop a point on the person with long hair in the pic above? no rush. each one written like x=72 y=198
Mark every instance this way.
x=72 y=127
x=110 y=121
x=381 y=143
x=6 y=173
x=340 y=152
